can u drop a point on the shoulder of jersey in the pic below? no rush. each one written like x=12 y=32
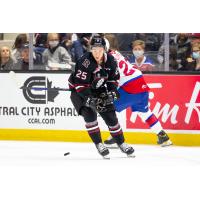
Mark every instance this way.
x=83 y=58
x=111 y=58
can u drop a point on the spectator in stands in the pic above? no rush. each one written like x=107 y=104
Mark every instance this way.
x=152 y=40
x=194 y=37
x=180 y=49
x=192 y=63
x=20 y=40
x=138 y=59
x=160 y=55
x=173 y=65
x=56 y=57
x=41 y=40
x=6 y=61
x=66 y=42
x=81 y=45
x=23 y=61
x=113 y=40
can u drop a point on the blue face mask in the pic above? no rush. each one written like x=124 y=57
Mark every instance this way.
x=196 y=55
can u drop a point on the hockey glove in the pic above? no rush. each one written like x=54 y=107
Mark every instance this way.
x=90 y=102
x=113 y=95
x=109 y=97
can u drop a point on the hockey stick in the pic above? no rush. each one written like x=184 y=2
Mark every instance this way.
x=15 y=80
x=47 y=89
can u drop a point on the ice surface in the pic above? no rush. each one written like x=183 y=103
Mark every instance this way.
x=40 y=171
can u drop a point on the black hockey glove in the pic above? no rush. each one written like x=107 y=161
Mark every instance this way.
x=108 y=98
x=113 y=96
x=105 y=101
x=90 y=102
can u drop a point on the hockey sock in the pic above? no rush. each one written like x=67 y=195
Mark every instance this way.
x=117 y=133
x=94 y=131
x=151 y=120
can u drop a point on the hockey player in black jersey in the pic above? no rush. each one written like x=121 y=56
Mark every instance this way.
x=93 y=87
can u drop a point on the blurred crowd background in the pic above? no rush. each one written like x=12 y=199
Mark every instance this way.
x=150 y=52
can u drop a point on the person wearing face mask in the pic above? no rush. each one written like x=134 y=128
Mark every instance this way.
x=138 y=59
x=56 y=57
x=193 y=62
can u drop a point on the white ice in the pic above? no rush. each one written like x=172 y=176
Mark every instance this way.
x=40 y=171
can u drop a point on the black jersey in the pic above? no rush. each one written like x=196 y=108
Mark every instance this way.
x=89 y=78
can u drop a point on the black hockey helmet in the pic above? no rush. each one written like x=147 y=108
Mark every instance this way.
x=97 y=41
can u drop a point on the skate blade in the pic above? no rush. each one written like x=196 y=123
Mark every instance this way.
x=131 y=155
x=106 y=157
x=167 y=143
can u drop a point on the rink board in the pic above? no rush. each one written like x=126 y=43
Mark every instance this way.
x=82 y=136
x=48 y=115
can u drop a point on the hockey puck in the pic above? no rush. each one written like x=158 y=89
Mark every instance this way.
x=65 y=154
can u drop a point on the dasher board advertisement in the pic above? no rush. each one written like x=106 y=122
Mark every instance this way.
x=48 y=108
x=174 y=99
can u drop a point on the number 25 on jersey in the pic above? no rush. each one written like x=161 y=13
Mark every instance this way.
x=81 y=75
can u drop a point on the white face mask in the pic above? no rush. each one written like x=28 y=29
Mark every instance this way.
x=138 y=53
x=196 y=55
x=53 y=44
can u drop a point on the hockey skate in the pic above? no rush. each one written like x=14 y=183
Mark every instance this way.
x=103 y=151
x=125 y=148
x=163 y=139
x=111 y=143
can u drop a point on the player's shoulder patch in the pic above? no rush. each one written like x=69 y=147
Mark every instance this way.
x=86 y=63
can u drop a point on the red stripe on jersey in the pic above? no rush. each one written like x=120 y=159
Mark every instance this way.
x=136 y=86
x=85 y=85
x=71 y=85
x=116 y=83
x=81 y=89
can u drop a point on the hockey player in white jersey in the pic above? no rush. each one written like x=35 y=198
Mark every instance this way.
x=134 y=93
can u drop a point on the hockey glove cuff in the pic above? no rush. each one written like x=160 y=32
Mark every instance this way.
x=113 y=95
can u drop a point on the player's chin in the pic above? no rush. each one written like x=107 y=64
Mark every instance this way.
x=97 y=59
